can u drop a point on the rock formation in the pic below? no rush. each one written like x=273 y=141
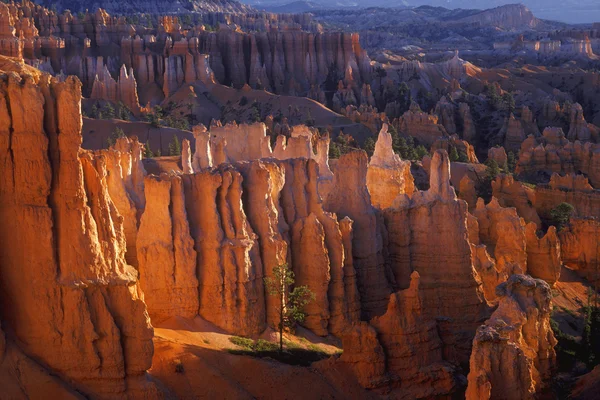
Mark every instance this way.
x=498 y=154
x=579 y=247
x=579 y=129
x=513 y=353
x=387 y=175
x=469 y=133
x=125 y=180
x=124 y=90
x=512 y=193
x=435 y=218
x=572 y=189
x=466 y=152
x=232 y=295
x=503 y=231
x=543 y=254
x=68 y=296
x=349 y=197
x=166 y=255
x=408 y=333
x=553 y=153
x=420 y=125
x=513 y=133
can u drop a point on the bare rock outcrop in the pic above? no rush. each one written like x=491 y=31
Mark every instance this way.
x=572 y=189
x=432 y=220
x=68 y=295
x=408 y=333
x=125 y=180
x=422 y=126
x=513 y=353
x=513 y=133
x=364 y=355
x=467 y=191
x=166 y=255
x=387 y=175
x=579 y=247
x=466 y=152
x=349 y=197
x=543 y=254
x=512 y=193
x=232 y=295
x=554 y=153
x=498 y=154
x=503 y=232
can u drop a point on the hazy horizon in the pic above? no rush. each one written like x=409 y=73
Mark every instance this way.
x=567 y=11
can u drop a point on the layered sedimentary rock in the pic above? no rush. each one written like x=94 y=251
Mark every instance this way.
x=513 y=353
x=469 y=132
x=445 y=112
x=123 y=90
x=364 y=355
x=572 y=189
x=543 y=254
x=420 y=125
x=579 y=129
x=503 y=231
x=416 y=227
x=467 y=191
x=466 y=152
x=68 y=295
x=290 y=60
x=407 y=333
x=512 y=193
x=231 y=295
x=553 y=153
x=498 y=154
x=166 y=255
x=513 y=133
x=387 y=175
x=125 y=180
x=349 y=197
x=579 y=247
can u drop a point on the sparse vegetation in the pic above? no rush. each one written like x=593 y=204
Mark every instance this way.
x=179 y=367
x=291 y=302
x=112 y=139
x=302 y=354
x=147 y=151
x=175 y=147
x=561 y=214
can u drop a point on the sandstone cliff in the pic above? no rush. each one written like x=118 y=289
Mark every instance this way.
x=416 y=227
x=579 y=247
x=69 y=297
x=387 y=175
x=513 y=353
x=553 y=153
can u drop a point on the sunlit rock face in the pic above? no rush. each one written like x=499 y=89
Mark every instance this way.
x=513 y=352
x=68 y=294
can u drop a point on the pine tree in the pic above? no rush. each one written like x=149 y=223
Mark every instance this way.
x=369 y=146
x=453 y=154
x=291 y=302
x=108 y=111
x=175 y=147
x=147 y=151
x=492 y=169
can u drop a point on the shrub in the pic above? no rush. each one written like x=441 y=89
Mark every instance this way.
x=369 y=146
x=242 y=342
x=561 y=214
x=175 y=147
x=179 y=367
x=453 y=156
x=492 y=169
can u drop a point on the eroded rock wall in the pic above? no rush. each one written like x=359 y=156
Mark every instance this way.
x=68 y=295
